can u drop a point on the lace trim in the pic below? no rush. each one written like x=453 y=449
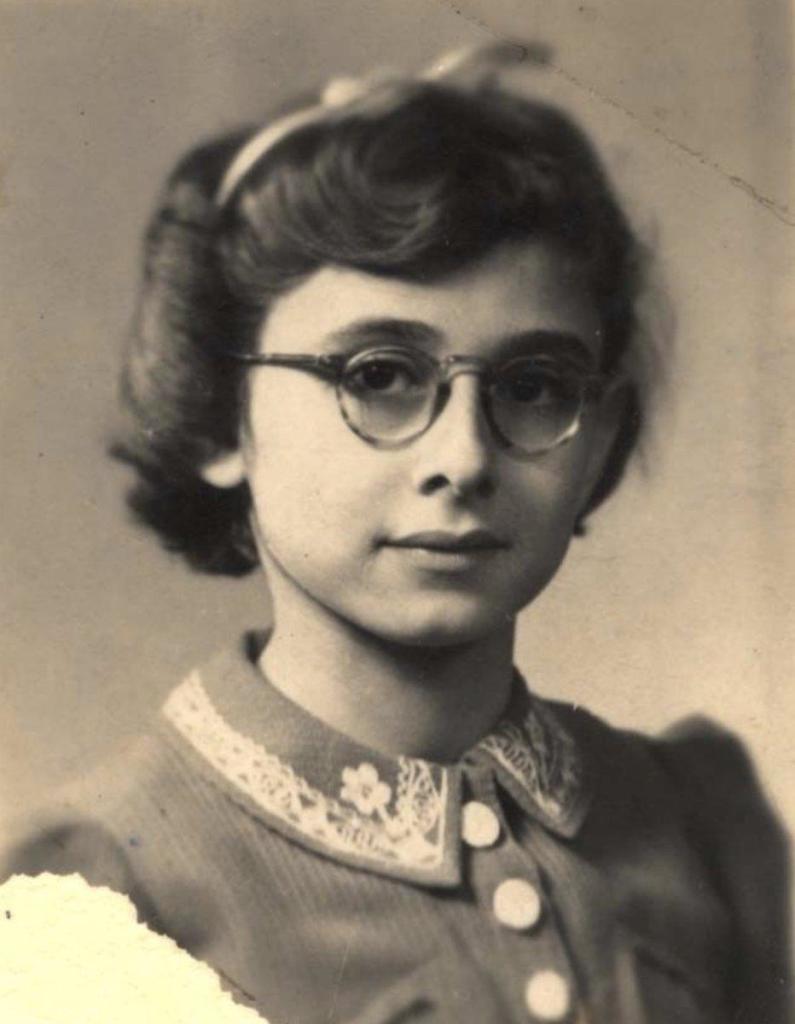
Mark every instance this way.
x=542 y=757
x=370 y=818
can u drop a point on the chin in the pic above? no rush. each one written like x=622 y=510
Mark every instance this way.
x=440 y=627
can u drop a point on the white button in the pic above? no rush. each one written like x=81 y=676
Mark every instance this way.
x=547 y=996
x=517 y=904
x=480 y=826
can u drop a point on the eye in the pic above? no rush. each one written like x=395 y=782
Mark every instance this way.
x=530 y=383
x=385 y=373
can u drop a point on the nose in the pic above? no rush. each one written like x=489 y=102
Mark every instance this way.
x=457 y=451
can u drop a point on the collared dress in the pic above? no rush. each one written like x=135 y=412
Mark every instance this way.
x=562 y=870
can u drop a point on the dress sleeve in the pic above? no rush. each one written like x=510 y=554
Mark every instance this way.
x=74 y=845
x=747 y=851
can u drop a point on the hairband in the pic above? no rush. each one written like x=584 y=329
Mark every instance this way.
x=472 y=68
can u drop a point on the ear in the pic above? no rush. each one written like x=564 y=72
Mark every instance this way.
x=225 y=471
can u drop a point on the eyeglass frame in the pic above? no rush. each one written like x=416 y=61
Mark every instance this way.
x=332 y=367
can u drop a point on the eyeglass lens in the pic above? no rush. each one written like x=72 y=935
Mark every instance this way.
x=391 y=396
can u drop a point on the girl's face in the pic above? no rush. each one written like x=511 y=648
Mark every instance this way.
x=338 y=520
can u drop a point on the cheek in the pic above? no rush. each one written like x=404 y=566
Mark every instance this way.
x=313 y=481
x=280 y=451
x=543 y=525
x=554 y=489
x=544 y=514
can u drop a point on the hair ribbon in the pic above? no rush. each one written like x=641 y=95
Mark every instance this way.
x=471 y=68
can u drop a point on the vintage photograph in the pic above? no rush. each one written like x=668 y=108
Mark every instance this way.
x=398 y=550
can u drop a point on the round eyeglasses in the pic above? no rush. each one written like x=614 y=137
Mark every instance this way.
x=391 y=395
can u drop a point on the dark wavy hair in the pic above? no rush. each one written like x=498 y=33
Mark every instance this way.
x=413 y=180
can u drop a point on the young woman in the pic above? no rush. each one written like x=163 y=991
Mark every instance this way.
x=388 y=349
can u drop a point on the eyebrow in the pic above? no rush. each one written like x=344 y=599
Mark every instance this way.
x=362 y=333
x=556 y=344
x=365 y=332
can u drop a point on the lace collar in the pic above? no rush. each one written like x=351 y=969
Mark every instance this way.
x=398 y=816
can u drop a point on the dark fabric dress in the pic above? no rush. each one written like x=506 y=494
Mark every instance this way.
x=562 y=870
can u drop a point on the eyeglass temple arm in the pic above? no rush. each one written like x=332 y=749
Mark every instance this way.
x=325 y=366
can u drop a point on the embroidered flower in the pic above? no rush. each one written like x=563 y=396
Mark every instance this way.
x=362 y=788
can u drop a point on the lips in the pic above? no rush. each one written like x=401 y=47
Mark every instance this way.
x=452 y=543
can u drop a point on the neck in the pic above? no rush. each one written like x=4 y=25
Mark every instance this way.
x=429 y=702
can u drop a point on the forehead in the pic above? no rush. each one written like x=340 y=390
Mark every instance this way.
x=517 y=288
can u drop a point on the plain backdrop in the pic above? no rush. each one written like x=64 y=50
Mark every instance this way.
x=680 y=600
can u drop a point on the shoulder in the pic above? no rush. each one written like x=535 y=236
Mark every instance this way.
x=728 y=809
x=699 y=778
x=718 y=782
x=748 y=849
x=702 y=765
x=703 y=769
x=90 y=825
x=709 y=755
x=701 y=775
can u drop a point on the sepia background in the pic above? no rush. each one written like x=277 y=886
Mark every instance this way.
x=682 y=597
